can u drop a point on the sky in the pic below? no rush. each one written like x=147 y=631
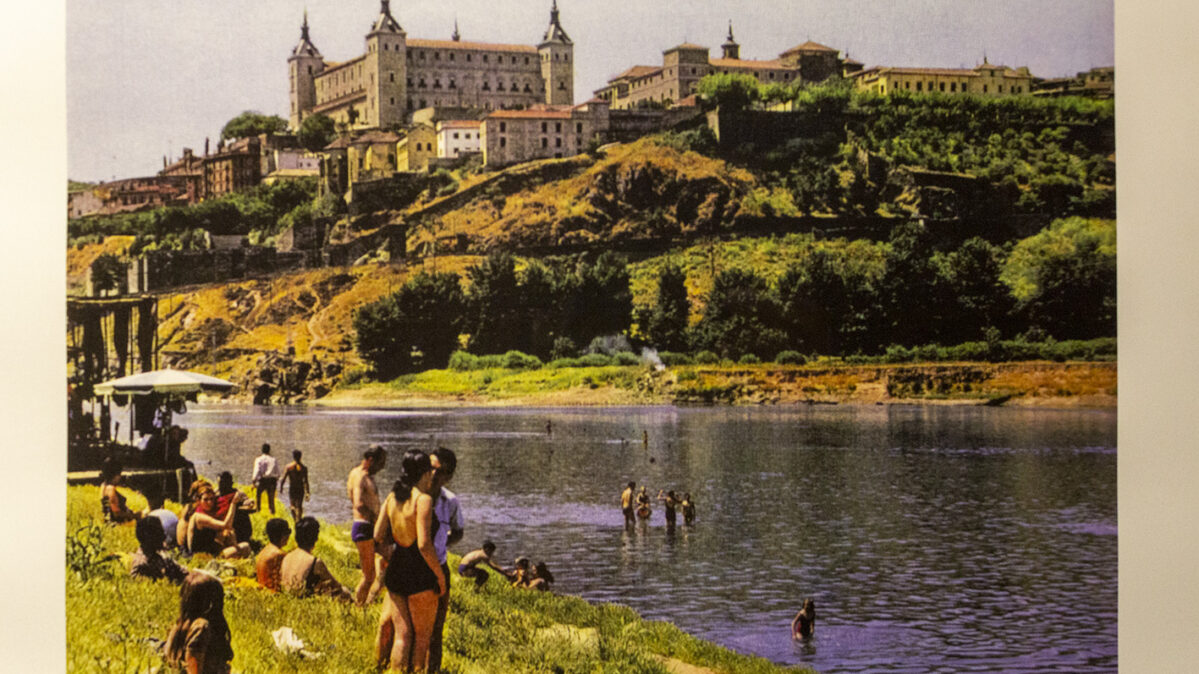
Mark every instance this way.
x=147 y=78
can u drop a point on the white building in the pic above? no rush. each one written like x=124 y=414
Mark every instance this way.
x=456 y=137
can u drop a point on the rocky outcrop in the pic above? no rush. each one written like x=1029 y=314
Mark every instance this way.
x=281 y=378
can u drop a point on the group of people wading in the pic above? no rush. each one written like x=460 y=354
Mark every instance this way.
x=638 y=506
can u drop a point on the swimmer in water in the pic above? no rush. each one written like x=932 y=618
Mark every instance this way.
x=688 y=509
x=804 y=623
x=626 y=502
x=671 y=503
x=643 y=509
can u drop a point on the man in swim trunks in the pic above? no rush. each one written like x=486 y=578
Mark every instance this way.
x=364 y=501
x=469 y=567
x=297 y=489
x=447 y=530
x=626 y=502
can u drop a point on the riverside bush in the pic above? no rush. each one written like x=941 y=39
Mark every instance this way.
x=626 y=358
x=515 y=360
x=674 y=358
x=706 y=358
x=789 y=357
x=749 y=359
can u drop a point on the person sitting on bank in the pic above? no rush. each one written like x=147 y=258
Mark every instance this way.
x=243 y=529
x=200 y=642
x=469 y=566
x=268 y=565
x=542 y=578
x=148 y=561
x=522 y=574
x=303 y=573
x=169 y=520
x=112 y=501
x=209 y=535
x=804 y=623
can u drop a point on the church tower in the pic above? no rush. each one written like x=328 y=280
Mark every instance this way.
x=385 y=71
x=304 y=64
x=557 y=62
x=730 y=49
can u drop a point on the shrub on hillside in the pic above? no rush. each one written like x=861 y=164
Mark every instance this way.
x=515 y=360
x=463 y=361
x=626 y=358
x=595 y=360
x=674 y=358
x=706 y=358
x=564 y=347
x=749 y=359
x=789 y=357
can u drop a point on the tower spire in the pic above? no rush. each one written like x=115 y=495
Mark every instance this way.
x=304 y=26
x=386 y=22
x=555 y=33
x=730 y=49
x=456 y=36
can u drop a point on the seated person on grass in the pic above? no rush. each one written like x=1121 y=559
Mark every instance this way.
x=148 y=561
x=213 y=536
x=112 y=502
x=269 y=563
x=303 y=573
x=170 y=521
x=469 y=567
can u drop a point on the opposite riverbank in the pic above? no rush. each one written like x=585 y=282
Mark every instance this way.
x=116 y=623
x=1028 y=383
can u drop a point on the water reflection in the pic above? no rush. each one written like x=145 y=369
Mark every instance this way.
x=922 y=533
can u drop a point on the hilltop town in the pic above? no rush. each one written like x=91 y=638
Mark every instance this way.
x=421 y=157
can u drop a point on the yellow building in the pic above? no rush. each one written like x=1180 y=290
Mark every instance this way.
x=397 y=75
x=984 y=80
x=414 y=150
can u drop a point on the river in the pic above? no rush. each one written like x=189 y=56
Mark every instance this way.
x=932 y=538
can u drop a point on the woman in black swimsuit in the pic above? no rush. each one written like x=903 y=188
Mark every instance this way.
x=413 y=579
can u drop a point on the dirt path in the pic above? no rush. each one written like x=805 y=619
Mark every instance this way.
x=680 y=667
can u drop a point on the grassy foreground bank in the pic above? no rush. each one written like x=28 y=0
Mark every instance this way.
x=115 y=623
x=1025 y=383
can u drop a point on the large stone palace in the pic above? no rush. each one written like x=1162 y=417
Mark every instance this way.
x=398 y=75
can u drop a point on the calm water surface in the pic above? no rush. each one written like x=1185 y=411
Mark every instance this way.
x=933 y=539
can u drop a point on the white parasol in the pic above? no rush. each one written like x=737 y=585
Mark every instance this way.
x=163 y=381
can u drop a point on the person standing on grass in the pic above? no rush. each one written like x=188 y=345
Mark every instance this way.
x=364 y=502
x=266 y=475
x=297 y=489
x=447 y=530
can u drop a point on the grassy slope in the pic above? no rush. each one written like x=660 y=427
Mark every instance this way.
x=113 y=622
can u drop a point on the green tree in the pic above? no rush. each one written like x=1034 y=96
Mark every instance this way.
x=971 y=275
x=494 y=318
x=108 y=273
x=741 y=316
x=729 y=91
x=1063 y=278
x=665 y=324
x=597 y=300
x=415 y=327
x=252 y=123
x=316 y=131
x=911 y=290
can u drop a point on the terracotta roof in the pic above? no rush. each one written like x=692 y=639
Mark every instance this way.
x=635 y=72
x=854 y=62
x=460 y=124
x=809 y=46
x=685 y=45
x=591 y=101
x=742 y=63
x=947 y=72
x=531 y=114
x=472 y=46
x=688 y=102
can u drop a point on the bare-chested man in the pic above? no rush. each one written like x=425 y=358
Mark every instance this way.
x=364 y=500
x=469 y=565
x=626 y=502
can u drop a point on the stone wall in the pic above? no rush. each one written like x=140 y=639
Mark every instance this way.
x=160 y=269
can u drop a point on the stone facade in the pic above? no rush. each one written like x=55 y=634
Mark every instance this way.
x=1097 y=83
x=683 y=66
x=984 y=80
x=543 y=132
x=235 y=166
x=397 y=76
x=128 y=195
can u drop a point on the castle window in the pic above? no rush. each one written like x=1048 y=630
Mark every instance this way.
x=455 y=135
x=545 y=142
x=309 y=70
x=499 y=86
x=527 y=89
x=384 y=46
x=503 y=142
x=513 y=59
x=561 y=85
x=486 y=85
x=390 y=76
x=436 y=56
x=484 y=58
x=452 y=85
x=422 y=84
x=557 y=142
x=393 y=100
x=1001 y=88
x=515 y=86
x=953 y=86
x=423 y=104
x=557 y=127
x=566 y=57
x=422 y=56
x=526 y=60
x=942 y=86
x=503 y=127
x=578 y=127
x=437 y=84
x=544 y=127
x=409 y=81
x=984 y=88
x=468 y=58
x=409 y=54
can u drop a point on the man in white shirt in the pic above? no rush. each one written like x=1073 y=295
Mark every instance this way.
x=266 y=477
x=447 y=530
